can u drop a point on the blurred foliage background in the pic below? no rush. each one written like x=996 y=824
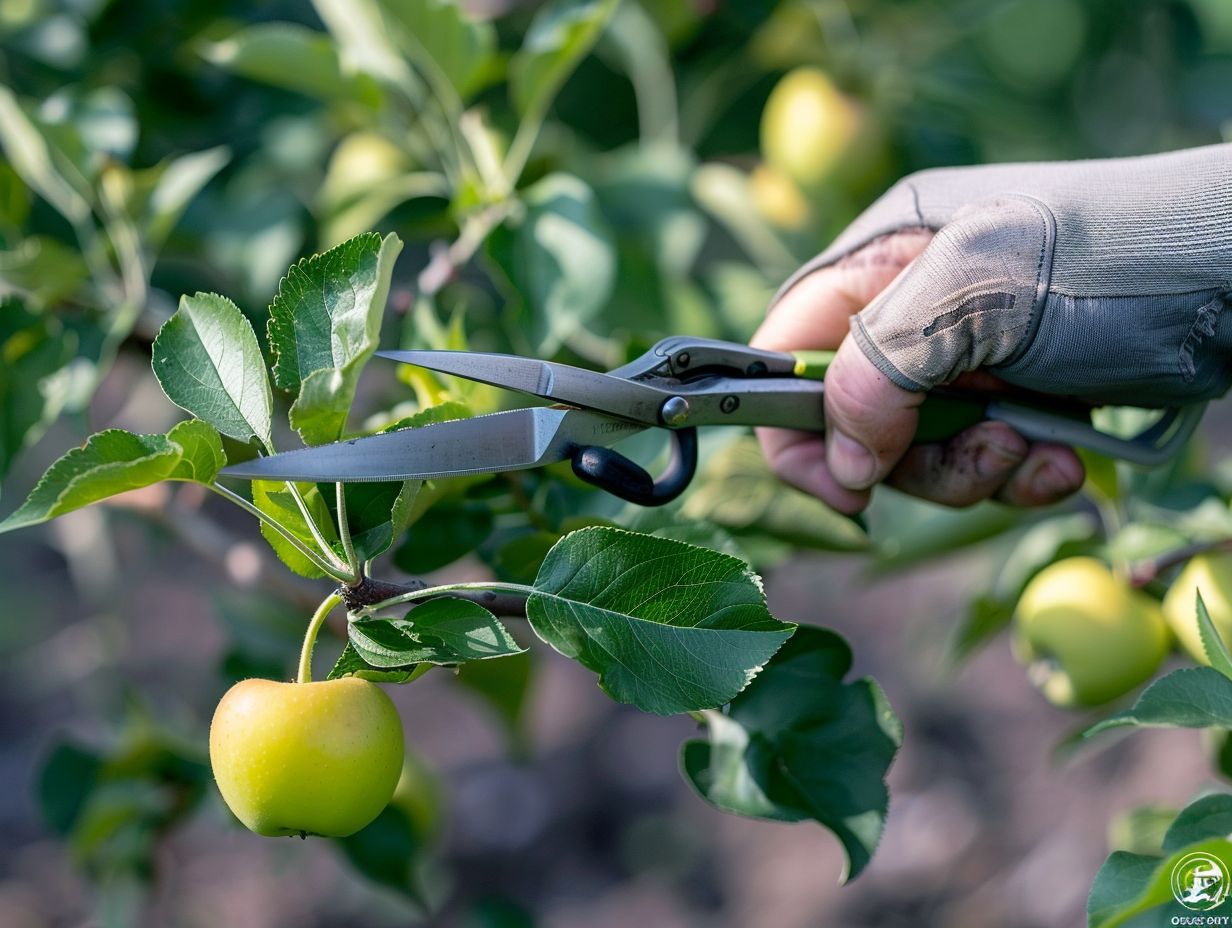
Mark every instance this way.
x=698 y=153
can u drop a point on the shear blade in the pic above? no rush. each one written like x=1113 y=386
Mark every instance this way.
x=549 y=380
x=503 y=441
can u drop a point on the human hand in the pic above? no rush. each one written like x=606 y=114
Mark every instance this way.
x=866 y=410
x=1102 y=280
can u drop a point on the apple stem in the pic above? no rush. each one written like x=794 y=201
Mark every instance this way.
x=310 y=637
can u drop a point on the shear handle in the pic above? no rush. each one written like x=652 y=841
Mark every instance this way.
x=682 y=357
x=1154 y=445
x=612 y=471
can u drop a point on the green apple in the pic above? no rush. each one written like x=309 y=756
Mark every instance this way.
x=821 y=139
x=807 y=126
x=306 y=758
x=1087 y=635
x=362 y=162
x=1212 y=574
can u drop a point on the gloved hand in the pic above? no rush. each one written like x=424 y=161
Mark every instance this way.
x=1106 y=280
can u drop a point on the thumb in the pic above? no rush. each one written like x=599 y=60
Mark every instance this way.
x=870 y=420
x=966 y=302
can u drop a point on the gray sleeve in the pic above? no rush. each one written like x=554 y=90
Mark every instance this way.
x=1105 y=279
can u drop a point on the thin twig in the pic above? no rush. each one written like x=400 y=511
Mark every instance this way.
x=369 y=593
x=475 y=230
x=1145 y=571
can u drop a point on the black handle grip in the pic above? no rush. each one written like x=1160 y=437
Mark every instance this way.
x=612 y=471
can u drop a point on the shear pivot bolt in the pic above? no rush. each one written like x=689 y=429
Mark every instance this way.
x=729 y=403
x=675 y=410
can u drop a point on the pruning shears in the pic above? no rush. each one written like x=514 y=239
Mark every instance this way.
x=679 y=385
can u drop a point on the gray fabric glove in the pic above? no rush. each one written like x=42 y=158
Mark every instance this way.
x=1103 y=279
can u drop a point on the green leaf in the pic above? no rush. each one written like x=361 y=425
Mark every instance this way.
x=1218 y=745
x=1194 y=697
x=986 y=616
x=376 y=513
x=800 y=744
x=908 y=531
x=560 y=35
x=1120 y=880
x=1129 y=884
x=177 y=181
x=442 y=412
x=1215 y=648
x=14 y=199
x=350 y=664
x=292 y=57
x=207 y=359
x=31 y=157
x=33 y=352
x=362 y=35
x=724 y=192
x=323 y=328
x=519 y=559
x=739 y=492
x=43 y=270
x=1206 y=817
x=643 y=191
x=201 y=452
x=277 y=502
x=560 y=258
x=668 y=627
x=1140 y=540
x=116 y=461
x=1102 y=477
x=65 y=781
x=439 y=631
x=443 y=534
x=387 y=852
x=112 y=804
x=453 y=49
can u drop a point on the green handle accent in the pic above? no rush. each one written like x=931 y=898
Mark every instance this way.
x=812 y=365
x=943 y=416
x=947 y=411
